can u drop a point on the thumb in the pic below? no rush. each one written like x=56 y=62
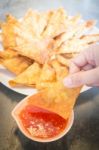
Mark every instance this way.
x=90 y=77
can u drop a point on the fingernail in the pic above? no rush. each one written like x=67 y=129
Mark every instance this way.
x=67 y=82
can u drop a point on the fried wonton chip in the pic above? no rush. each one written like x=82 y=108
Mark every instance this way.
x=84 y=28
x=47 y=76
x=38 y=50
x=56 y=25
x=29 y=77
x=90 y=38
x=8 y=54
x=73 y=30
x=31 y=26
x=50 y=74
x=69 y=55
x=63 y=60
x=8 y=35
x=61 y=71
x=36 y=21
x=47 y=73
x=71 y=46
x=57 y=99
x=76 y=45
x=16 y=64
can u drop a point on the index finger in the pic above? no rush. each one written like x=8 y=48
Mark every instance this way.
x=77 y=62
x=84 y=58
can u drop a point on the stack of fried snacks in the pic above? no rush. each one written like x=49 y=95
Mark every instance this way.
x=38 y=48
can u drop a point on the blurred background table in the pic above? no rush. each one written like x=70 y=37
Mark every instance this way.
x=84 y=134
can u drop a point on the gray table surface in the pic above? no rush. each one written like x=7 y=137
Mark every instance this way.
x=84 y=134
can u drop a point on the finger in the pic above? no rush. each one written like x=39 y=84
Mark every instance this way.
x=73 y=68
x=84 y=58
x=76 y=69
x=87 y=67
x=77 y=63
x=90 y=77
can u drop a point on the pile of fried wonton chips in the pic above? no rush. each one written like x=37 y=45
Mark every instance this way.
x=38 y=49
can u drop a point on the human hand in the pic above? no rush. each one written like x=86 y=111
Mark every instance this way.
x=84 y=69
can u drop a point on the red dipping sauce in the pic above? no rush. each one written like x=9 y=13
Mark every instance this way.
x=42 y=123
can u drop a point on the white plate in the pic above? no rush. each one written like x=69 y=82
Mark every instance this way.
x=5 y=76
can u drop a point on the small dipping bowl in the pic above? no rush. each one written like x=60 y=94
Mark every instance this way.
x=64 y=132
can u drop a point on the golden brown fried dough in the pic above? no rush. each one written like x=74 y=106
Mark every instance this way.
x=28 y=78
x=16 y=64
x=8 y=35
